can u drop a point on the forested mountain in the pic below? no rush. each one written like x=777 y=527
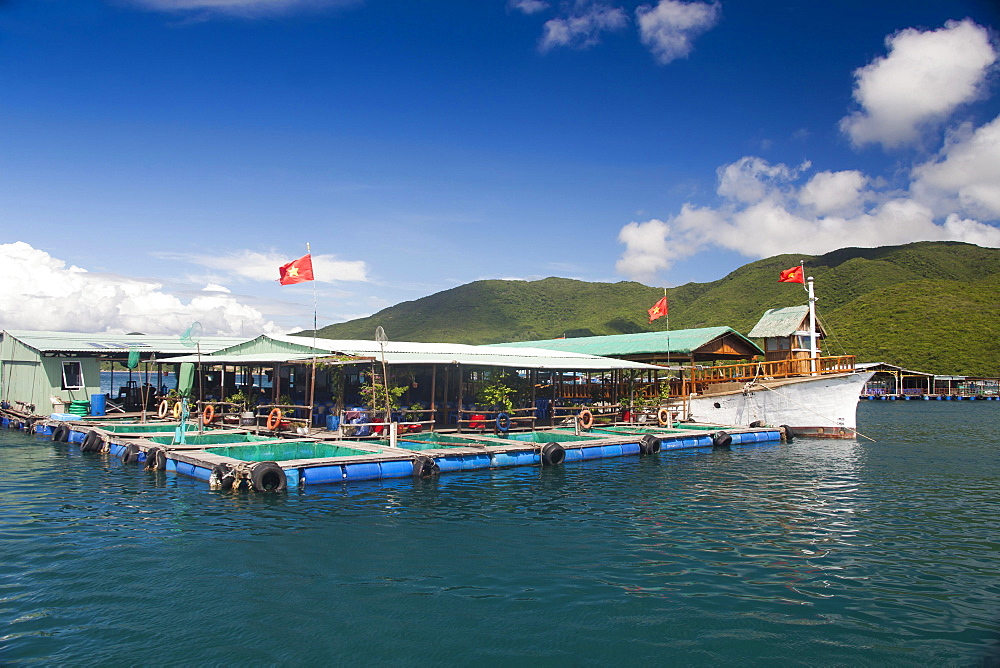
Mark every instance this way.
x=930 y=306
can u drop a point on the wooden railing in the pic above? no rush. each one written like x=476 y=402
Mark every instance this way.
x=742 y=373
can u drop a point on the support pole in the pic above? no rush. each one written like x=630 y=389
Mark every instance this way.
x=813 y=350
x=434 y=378
x=459 y=412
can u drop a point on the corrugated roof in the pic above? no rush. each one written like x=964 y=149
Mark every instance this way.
x=409 y=352
x=97 y=344
x=874 y=366
x=783 y=322
x=676 y=342
x=248 y=359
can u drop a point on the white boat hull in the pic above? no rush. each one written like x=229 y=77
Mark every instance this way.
x=824 y=406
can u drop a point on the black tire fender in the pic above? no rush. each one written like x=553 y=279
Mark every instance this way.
x=722 y=439
x=425 y=467
x=156 y=459
x=61 y=434
x=268 y=477
x=649 y=444
x=552 y=454
x=223 y=476
x=131 y=453
x=92 y=442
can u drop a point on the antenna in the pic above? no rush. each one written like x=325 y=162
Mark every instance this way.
x=192 y=339
x=381 y=338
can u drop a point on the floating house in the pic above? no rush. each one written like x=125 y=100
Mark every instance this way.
x=443 y=380
x=46 y=372
x=894 y=382
x=792 y=386
x=49 y=372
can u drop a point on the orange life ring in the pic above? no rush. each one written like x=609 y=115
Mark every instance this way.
x=586 y=419
x=273 y=418
x=663 y=417
x=163 y=409
x=208 y=414
x=178 y=409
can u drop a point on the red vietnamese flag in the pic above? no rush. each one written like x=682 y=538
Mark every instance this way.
x=659 y=309
x=793 y=275
x=296 y=271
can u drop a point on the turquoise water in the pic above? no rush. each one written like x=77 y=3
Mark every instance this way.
x=810 y=553
x=285 y=450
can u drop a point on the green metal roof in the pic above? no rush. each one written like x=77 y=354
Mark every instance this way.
x=112 y=344
x=783 y=322
x=250 y=359
x=287 y=348
x=677 y=342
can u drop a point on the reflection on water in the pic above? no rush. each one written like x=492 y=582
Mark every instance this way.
x=836 y=552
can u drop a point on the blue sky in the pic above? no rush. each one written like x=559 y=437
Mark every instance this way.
x=159 y=159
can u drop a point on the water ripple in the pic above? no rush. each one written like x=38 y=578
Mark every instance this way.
x=812 y=552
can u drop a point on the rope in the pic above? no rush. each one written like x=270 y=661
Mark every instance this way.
x=825 y=417
x=832 y=336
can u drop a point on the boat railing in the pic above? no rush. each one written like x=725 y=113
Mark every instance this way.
x=746 y=372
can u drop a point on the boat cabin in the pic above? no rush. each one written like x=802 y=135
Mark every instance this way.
x=786 y=335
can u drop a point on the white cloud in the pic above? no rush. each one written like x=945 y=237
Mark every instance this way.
x=834 y=193
x=646 y=250
x=751 y=179
x=965 y=176
x=764 y=212
x=669 y=28
x=242 y=7
x=528 y=6
x=584 y=28
x=259 y=266
x=925 y=77
x=42 y=293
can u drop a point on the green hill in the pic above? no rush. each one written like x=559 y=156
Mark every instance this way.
x=931 y=306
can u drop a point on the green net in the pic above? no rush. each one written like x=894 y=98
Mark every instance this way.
x=185 y=379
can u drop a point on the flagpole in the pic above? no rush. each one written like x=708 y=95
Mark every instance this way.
x=668 y=342
x=312 y=384
x=812 y=327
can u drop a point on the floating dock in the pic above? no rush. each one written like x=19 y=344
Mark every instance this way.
x=931 y=397
x=238 y=458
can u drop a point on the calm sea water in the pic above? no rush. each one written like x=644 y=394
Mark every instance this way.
x=815 y=552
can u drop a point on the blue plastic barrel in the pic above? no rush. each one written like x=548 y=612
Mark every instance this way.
x=98 y=404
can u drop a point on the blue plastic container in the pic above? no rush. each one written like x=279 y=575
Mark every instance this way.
x=332 y=422
x=98 y=405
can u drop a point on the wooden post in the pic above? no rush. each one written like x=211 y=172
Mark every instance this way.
x=445 y=394
x=552 y=414
x=312 y=386
x=459 y=421
x=434 y=377
x=533 y=375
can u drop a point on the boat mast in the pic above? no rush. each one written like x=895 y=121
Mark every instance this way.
x=813 y=352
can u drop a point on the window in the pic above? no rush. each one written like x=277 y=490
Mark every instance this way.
x=72 y=376
x=777 y=343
